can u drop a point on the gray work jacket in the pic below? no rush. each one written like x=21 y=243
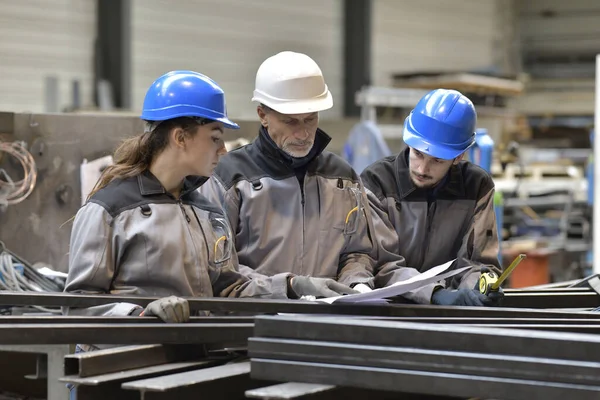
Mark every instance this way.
x=428 y=228
x=134 y=238
x=314 y=224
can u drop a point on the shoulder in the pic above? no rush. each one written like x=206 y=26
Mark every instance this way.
x=330 y=165
x=380 y=177
x=477 y=180
x=118 y=195
x=238 y=165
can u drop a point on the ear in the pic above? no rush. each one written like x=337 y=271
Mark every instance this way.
x=458 y=159
x=262 y=115
x=177 y=137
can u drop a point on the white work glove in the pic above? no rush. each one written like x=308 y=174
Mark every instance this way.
x=168 y=309
x=362 y=288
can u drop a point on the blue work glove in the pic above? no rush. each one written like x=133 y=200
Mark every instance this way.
x=459 y=297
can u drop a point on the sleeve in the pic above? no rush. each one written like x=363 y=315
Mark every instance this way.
x=391 y=266
x=480 y=244
x=92 y=261
x=232 y=282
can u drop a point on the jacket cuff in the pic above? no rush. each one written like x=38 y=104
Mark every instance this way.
x=279 y=285
x=121 y=309
x=365 y=281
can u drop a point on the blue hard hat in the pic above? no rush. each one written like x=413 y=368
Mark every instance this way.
x=185 y=94
x=441 y=125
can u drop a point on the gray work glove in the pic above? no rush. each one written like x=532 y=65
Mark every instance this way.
x=318 y=287
x=168 y=309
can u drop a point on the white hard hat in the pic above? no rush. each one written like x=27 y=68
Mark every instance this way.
x=292 y=83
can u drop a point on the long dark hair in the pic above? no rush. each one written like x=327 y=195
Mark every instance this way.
x=135 y=154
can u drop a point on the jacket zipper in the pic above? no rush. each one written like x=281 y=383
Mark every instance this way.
x=430 y=212
x=187 y=218
x=302 y=202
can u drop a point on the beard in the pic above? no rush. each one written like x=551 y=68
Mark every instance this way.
x=298 y=149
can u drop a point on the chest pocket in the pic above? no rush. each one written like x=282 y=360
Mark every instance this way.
x=345 y=209
x=219 y=242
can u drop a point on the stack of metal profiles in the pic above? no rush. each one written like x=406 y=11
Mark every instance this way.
x=543 y=343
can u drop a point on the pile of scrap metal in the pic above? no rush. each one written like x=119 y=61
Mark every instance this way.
x=543 y=343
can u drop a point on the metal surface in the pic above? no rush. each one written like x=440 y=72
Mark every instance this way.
x=139 y=373
x=264 y=306
x=60 y=319
x=128 y=357
x=420 y=359
x=526 y=343
x=104 y=392
x=400 y=380
x=226 y=381
x=39 y=228
x=313 y=391
x=289 y=390
x=56 y=390
x=124 y=333
x=551 y=300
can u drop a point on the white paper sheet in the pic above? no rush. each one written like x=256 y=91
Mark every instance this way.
x=430 y=276
x=90 y=173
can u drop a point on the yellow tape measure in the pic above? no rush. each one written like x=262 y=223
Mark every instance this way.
x=489 y=281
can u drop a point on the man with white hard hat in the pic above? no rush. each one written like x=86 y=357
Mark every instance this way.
x=295 y=207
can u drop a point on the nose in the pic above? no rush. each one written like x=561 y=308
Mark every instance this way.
x=301 y=133
x=422 y=168
x=222 y=150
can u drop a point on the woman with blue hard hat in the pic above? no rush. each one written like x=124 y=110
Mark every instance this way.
x=145 y=229
x=430 y=206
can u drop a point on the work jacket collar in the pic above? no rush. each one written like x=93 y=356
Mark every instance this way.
x=150 y=185
x=267 y=146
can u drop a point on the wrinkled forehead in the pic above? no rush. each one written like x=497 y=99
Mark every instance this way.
x=299 y=117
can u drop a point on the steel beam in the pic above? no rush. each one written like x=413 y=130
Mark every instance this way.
x=434 y=383
x=271 y=306
x=526 y=343
x=226 y=381
x=124 y=333
x=420 y=359
x=311 y=391
x=583 y=299
x=124 y=358
x=60 y=319
x=139 y=373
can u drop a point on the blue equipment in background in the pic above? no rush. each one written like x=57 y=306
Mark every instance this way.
x=481 y=153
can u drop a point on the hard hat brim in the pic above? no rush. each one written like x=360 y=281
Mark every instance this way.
x=297 y=107
x=227 y=123
x=433 y=150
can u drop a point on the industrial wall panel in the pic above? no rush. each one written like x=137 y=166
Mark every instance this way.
x=557 y=28
x=436 y=35
x=39 y=39
x=228 y=39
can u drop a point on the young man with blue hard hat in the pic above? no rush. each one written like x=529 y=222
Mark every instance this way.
x=430 y=206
